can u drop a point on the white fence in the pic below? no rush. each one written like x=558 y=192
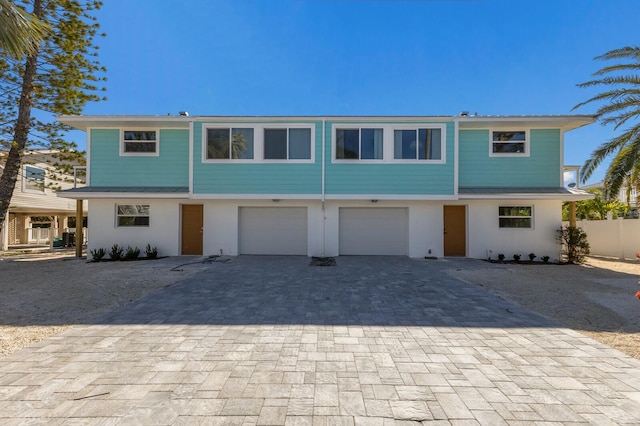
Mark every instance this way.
x=38 y=235
x=618 y=238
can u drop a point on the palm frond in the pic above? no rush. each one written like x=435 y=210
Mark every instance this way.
x=20 y=31
x=624 y=52
x=618 y=171
x=622 y=118
x=606 y=149
x=633 y=80
x=617 y=68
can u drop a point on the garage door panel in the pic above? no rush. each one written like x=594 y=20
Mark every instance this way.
x=272 y=230
x=373 y=231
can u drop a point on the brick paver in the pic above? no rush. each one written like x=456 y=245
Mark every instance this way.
x=271 y=340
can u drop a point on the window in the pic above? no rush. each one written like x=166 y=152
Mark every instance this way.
x=142 y=142
x=515 y=216
x=230 y=144
x=287 y=144
x=33 y=179
x=417 y=144
x=132 y=215
x=509 y=142
x=359 y=144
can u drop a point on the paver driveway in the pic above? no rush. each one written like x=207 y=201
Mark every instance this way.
x=271 y=340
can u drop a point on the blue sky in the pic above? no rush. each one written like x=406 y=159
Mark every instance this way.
x=360 y=57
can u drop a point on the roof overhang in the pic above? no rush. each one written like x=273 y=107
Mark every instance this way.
x=531 y=193
x=564 y=122
x=96 y=192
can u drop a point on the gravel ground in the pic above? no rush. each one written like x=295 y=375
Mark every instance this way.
x=47 y=293
x=597 y=298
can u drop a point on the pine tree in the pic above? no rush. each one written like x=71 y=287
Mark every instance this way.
x=59 y=76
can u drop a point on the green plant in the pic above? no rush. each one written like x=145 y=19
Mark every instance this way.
x=545 y=259
x=500 y=257
x=516 y=257
x=574 y=242
x=116 y=252
x=532 y=256
x=132 y=253
x=151 y=252
x=97 y=254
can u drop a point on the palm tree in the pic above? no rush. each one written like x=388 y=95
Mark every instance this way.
x=622 y=106
x=19 y=30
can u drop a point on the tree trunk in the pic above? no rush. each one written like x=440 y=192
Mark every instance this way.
x=23 y=125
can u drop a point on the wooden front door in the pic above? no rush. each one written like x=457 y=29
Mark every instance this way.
x=455 y=230
x=192 y=227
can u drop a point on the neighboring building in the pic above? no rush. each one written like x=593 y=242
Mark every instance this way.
x=327 y=186
x=632 y=200
x=35 y=212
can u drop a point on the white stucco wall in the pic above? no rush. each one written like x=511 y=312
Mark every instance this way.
x=425 y=226
x=163 y=231
x=484 y=233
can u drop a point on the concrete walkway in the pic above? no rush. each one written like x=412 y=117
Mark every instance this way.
x=271 y=340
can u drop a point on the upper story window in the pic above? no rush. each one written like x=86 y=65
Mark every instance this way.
x=33 y=179
x=229 y=143
x=359 y=144
x=417 y=144
x=515 y=216
x=287 y=144
x=132 y=215
x=140 y=142
x=509 y=143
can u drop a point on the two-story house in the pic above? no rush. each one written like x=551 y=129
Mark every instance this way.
x=327 y=186
x=35 y=213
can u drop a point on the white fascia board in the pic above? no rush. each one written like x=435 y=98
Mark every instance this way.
x=102 y=195
x=392 y=197
x=85 y=122
x=564 y=122
x=563 y=197
x=255 y=196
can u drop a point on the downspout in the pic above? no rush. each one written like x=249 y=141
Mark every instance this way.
x=323 y=176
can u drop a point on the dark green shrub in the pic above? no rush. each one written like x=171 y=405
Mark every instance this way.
x=97 y=254
x=500 y=257
x=516 y=258
x=574 y=243
x=545 y=259
x=116 y=252
x=132 y=253
x=532 y=256
x=151 y=252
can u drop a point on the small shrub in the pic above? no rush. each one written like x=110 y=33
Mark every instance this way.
x=500 y=257
x=116 y=252
x=545 y=259
x=516 y=258
x=151 y=252
x=574 y=241
x=132 y=253
x=532 y=256
x=97 y=254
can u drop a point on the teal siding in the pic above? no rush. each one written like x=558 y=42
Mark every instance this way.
x=540 y=168
x=391 y=178
x=257 y=178
x=170 y=168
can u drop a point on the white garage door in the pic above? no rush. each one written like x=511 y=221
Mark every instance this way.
x=380 y=231
x=272 y=230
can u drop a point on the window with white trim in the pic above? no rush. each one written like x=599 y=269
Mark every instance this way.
x=418 y=144
x=506 y=143
x=359 y=144
x=229 y=143
x=140 y=142
x=33 y=179
x=515 y=216
x=132 y=215
x=287 y=144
